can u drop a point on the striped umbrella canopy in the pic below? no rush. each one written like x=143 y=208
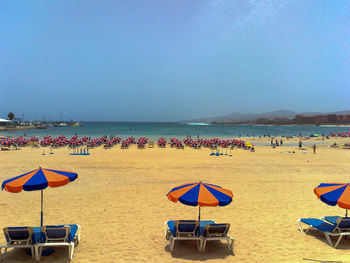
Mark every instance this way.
x=38 y=179
x=200 y=194
x=334 y=194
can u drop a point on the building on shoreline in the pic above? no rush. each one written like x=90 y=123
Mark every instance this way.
x=322 y=119
x=4 y=122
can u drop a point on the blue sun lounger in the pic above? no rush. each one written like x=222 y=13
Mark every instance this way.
x=213 y=232
x=18 y=237
x=60 y=235
x=336 y=226
x=184 y=230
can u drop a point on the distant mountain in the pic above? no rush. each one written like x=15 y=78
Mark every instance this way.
x=236 y=117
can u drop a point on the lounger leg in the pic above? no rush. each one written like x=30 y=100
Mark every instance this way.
x=204 y=243
x=301 y=228
x=199 y=245
x=4 y=255
x=328 y=239
x=336 y=244
x=171 y=243
x=70 y=251
x=232 y=243
x=38 y=251
x=33 y=252
x=228 y=244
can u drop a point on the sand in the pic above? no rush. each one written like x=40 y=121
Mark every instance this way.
x=120 y=201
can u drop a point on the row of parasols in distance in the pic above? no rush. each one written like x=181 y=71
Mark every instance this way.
x=340 y=134
x=108 y=143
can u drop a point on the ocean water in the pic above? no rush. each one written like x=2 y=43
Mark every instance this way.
x=179 y=130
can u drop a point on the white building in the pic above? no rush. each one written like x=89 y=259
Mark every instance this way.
x=4 y=122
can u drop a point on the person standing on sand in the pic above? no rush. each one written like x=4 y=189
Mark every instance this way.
x=314 y=148
x=281 y=142
x=300 y=145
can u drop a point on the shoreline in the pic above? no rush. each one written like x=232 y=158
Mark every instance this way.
x=17 y=128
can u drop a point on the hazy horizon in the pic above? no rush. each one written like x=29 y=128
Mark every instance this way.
x=160 y=60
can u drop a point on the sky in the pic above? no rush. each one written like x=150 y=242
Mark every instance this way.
x=171 y=60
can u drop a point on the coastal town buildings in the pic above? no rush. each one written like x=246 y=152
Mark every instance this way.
x=322 y=119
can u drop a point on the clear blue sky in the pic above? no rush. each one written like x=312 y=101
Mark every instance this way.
x=168 y=60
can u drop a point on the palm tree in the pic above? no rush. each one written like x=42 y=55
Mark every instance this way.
x=11 y=116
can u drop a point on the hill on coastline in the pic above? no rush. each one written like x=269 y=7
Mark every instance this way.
x=236 y=117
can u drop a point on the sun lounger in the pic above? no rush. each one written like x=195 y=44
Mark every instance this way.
x=17 y=237
x=182 y=230
x=340 y=227
x=219 y=232
x=61 y=235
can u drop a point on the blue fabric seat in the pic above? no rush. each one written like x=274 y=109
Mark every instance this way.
x=318 y=224
x=73 y=231
x=214 y=232
x=184 y=230
x=219 y=228
x=334 y=219
x=331 y=219
x=202 y=224
x=18 y=237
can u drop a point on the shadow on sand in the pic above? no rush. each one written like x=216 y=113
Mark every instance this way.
x=343 y=245
x=17 y=255
x=187 y=250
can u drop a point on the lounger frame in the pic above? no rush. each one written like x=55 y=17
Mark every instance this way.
x=53 y=242
x=17 y=243
x=212 y=236
x=337 y=232
x=183 y=235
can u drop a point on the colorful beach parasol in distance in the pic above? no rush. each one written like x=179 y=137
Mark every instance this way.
x=39 y=179
x=334 y=194
x=200 y=194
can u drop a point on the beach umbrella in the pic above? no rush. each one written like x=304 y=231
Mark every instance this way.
x=200 y=194
x=38 y=179
x=334 y=194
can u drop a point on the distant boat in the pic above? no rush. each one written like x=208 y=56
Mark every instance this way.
x=76 y=124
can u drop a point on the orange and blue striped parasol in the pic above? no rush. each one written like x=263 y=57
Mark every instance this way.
x=334 y=194
x=200 y=194
x=39 y=179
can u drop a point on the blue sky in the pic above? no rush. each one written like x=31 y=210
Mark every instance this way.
x=167 y=60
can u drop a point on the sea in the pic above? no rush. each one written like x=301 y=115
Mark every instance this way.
x=155 y=130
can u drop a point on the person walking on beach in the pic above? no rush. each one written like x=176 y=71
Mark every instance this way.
x=281 y=142
x=314 y=148
x=300 y=145
x=271 y=142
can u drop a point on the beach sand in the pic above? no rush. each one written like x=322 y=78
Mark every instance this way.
x=120 y=202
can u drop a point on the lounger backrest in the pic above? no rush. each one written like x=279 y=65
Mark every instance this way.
x=186 y=228
x=216 y=230
x=56 y=233
x=343 y=223
x=18 y=234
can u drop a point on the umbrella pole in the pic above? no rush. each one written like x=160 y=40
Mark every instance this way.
x=346 y=213
x=199 y=214
x=42 y=213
